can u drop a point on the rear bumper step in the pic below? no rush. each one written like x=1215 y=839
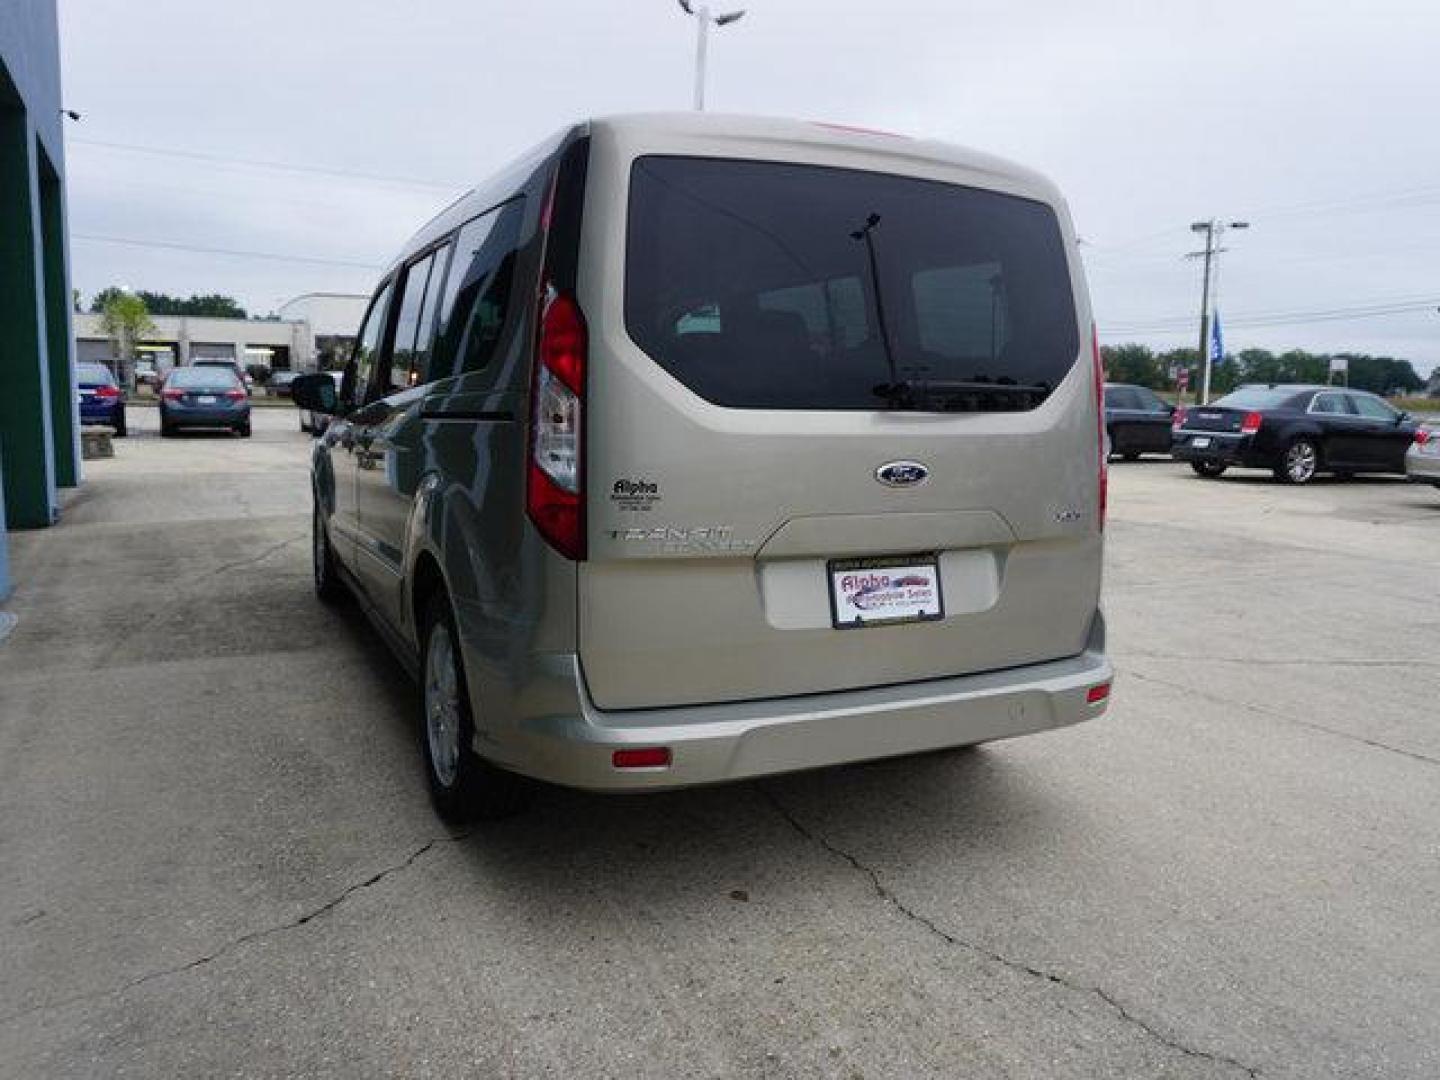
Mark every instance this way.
x=716 y=743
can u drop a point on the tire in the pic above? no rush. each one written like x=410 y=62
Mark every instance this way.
x=244 y=430
x=165 y=429
x=304 y=427
x=121 y=430
x=1299 y=462
x=463 y=787
x=1210 y=470
x=326 y=576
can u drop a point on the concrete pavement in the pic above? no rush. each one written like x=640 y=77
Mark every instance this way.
x=216 y=857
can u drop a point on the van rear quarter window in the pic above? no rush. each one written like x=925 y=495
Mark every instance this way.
x=771 y=285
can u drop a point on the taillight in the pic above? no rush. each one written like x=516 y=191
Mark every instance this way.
x=107 y=392
x=555 y=479
x=1422 y=436
x=172 y=395
x=1100 y=426
x=1251 y=424
x=235 y=395
x=1177 y=418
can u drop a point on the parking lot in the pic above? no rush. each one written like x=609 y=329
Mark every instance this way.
x=217 y=857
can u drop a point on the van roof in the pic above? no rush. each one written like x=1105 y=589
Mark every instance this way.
x=722 y=128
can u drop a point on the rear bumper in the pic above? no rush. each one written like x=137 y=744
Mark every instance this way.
x=206 y=416
x=717 y=743
x=1223 y=449
x=1422 y=468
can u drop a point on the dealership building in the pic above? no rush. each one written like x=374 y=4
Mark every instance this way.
x=39 y=437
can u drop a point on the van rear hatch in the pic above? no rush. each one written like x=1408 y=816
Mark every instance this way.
x=840 y=434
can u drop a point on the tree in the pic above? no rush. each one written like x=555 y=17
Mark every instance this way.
x=125 y=320
x=211 y=305
x=1132 y=364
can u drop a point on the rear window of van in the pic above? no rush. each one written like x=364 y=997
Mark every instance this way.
x=775 y=286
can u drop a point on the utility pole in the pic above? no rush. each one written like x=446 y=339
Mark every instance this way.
x=703 y=19
x=1213 y=231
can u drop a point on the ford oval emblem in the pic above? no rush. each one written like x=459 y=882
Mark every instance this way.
x=902 y=473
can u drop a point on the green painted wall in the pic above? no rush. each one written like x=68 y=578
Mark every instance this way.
x=24 y=390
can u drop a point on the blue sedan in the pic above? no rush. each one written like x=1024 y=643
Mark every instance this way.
x=101 y=399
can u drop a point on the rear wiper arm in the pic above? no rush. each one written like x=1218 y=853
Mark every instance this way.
x=917 y=393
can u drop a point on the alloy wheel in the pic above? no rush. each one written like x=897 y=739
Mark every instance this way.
x=442 y=705
x=1300 y=462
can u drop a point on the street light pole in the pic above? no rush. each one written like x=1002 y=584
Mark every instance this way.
x=704 y=19
x=702 y=38
x=1213 y=231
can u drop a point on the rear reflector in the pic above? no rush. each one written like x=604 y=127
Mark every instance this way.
x=1097 y=694
x=650 y=757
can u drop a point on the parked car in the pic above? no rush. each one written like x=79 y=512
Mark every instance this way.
x=316 y=422
x=204 y=396
x=1422 y=460
x=794 y=532
x=101 y=399
x=279 y=382
x=1137 y=421
x=146 y=374
x=1295 y=431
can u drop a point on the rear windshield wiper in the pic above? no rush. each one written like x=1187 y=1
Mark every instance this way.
x=959 y=395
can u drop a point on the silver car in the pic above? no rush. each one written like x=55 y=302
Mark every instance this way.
x=693 y=448
x=1422 y=460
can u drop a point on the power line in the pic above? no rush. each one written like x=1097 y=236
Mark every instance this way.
x=1262 y=319
x=271 y=255
x=282 y=166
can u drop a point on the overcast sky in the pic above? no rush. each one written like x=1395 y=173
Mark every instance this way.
x=1315 y=121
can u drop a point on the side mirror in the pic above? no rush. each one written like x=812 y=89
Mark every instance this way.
x=1170 y=410
x=1402 y=418
x=316 y=392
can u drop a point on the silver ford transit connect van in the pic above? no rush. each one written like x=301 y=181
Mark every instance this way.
x=693 y=448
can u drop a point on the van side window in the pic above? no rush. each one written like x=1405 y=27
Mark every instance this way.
x=367 y=347
x=425 y=333
x=476 y=300
x=404 y=370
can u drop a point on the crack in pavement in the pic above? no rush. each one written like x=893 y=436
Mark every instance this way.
x=246 y=938
x=253 y=559
x=1282 y=717
x=886 y=894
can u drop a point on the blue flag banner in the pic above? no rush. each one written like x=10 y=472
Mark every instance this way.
x=1217 y=340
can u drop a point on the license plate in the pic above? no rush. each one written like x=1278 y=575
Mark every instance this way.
x=1200 y=442
x=880 y=591
x=206 y=399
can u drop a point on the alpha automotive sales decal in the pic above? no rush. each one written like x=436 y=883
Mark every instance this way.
x=635 y=496
x=866 y=594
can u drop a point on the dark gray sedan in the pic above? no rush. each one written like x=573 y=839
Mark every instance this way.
x=204 y=397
